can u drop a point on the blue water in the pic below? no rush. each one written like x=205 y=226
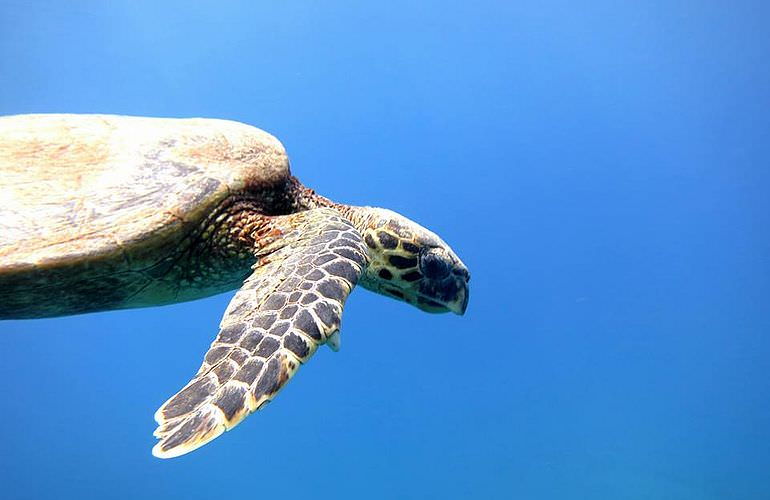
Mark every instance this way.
x=602 y=169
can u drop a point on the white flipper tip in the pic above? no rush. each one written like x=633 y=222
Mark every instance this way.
x=334 y=341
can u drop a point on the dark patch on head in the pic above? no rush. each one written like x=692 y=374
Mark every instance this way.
x=297 y=345
x=294 y=297
x=370 y=241
x=411 y=276
x=248 y=373
x=387 y=240
x=231 y=333
x=267 y=347
x=444 y=290
x=410 y=247
x=268 y=381
x=434 y=266
x=385 y=274
x=331 y=290
x=402 y=262
x=395 y=293
x=305 y=323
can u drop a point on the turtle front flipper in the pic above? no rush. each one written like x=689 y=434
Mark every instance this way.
x=291 y=304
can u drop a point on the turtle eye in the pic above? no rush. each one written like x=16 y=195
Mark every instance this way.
x=434 y=266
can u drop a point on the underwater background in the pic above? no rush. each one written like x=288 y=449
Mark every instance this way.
x=601 y=167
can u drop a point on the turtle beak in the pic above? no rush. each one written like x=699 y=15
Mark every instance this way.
x=451 y=294
x=460 y=304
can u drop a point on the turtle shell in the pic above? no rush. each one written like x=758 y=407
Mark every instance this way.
x=99 y=194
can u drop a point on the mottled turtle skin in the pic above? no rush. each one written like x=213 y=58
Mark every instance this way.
x=102 y=212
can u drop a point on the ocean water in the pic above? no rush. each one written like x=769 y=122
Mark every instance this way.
x=603 y=170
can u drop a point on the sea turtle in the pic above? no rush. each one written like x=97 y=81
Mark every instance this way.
x=102 y=212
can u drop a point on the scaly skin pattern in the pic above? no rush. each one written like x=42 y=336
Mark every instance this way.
x=291 y=304
x=410 y=263
x=307 y=264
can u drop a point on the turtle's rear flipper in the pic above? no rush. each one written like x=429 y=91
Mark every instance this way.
x=290 y=305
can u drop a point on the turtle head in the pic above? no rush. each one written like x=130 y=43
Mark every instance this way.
x=411 y=263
